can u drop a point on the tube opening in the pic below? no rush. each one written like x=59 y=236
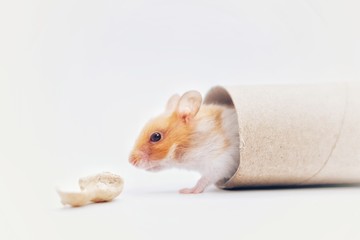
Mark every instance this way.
x=220 y=96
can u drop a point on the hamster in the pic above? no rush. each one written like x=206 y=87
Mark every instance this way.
x=190 y=135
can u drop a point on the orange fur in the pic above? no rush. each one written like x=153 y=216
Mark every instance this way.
x=215 y=113
x=177 y=131
x=174 y=131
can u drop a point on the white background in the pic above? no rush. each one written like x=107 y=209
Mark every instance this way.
x=78 y=79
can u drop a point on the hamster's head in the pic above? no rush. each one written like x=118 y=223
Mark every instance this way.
x=164 y=139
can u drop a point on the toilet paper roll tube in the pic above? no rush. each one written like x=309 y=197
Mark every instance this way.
x=294 y=134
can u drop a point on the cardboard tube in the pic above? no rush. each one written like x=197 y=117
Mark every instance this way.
x=294 y=134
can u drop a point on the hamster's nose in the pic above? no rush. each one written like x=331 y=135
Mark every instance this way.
x=134 y=159
x=137 y=156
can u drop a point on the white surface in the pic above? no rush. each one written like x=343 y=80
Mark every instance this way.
x=78 y=79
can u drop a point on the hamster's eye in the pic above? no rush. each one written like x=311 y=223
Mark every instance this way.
x=155 y=137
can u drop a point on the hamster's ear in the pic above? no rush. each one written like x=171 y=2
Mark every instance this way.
x=172 y=104
x=189 y=105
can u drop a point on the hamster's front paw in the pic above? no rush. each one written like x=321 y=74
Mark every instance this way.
x=193 y=190
x=198 y=188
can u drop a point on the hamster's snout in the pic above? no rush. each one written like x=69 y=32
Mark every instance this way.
x=132 y=159
x=137 y=156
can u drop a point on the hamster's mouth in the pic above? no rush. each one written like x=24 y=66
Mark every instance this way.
x=154 y=168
